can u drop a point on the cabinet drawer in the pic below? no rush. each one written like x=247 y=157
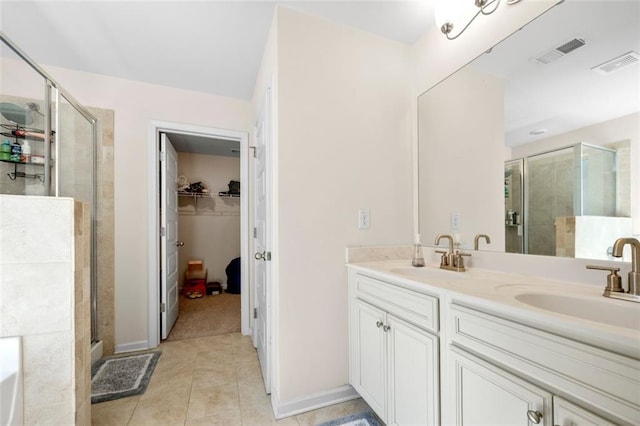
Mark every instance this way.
x=417 y=308
x=603 y=379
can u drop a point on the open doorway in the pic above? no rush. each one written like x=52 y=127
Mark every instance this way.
x=209 y=243
x=211 y=223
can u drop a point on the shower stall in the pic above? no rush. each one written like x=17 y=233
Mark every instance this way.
x=547 y=195
x=51 y=139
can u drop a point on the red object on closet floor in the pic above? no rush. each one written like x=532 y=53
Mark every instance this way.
x=195 y=280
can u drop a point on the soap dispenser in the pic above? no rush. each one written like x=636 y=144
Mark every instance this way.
x=26 y=152
x=418 y=259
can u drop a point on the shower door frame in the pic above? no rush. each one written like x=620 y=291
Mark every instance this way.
x=52 y=93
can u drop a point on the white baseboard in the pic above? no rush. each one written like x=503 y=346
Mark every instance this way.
x=96 y=351
x=141 y=345
x=333 y=396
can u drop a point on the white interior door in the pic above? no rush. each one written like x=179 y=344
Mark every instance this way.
x=262 y=235
x=168 y=235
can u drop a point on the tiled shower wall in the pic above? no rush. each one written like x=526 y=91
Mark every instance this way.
x=44 y=297
x=550 y=186
x=75 y=168
x=551 y=181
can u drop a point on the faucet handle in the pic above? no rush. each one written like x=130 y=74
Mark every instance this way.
x=614 y=281
x=443 y=259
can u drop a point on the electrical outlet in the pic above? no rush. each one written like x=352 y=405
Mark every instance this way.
x=455 y=221
x=364 y=219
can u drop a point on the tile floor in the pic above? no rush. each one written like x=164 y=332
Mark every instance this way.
x=208 y=381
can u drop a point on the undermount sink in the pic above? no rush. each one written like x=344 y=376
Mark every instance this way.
x=429 y=273
x=605 y=311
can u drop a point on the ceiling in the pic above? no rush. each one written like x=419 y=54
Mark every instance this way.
x=204 y=145
x=566 y=94
x=216 y=47
x=207 y=46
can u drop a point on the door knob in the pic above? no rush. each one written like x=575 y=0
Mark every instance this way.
x=179 y=243
x=534 y=416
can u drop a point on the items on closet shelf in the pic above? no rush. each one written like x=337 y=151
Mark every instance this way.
x=234 y=189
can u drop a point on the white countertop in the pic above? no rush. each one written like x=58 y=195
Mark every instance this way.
x=498 y=292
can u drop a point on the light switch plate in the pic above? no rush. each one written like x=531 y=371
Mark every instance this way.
x=455 y=221
x=364 y=219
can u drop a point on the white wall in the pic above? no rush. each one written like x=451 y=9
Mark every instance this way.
x=343 y=143
x=212 y=231
x=135 y=104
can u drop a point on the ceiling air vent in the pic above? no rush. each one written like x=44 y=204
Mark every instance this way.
x=618 y=63
x=560 y=51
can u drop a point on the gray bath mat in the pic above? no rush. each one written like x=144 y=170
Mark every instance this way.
x=366 y=418
x=119 y=376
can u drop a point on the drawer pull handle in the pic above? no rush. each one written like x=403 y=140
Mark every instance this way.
x=386 y=327
x=379 y=324
x=534 y=416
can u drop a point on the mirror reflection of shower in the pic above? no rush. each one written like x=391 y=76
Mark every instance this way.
x=569 y=202
x=514 y=206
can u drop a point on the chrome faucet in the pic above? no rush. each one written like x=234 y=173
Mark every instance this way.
x=614 y=282
x=476 y=240
x=451 y=260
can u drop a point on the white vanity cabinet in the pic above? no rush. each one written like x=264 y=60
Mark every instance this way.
x=567 y=414
x=487 y=395
x=509 y=356
x=460 y=354
x=394 y=351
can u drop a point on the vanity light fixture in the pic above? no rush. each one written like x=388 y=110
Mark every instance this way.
x=450 y=14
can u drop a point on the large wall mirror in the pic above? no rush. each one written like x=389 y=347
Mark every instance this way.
x=536 y=143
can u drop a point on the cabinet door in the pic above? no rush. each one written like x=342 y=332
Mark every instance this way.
x=488 y=395
x=413 y=374
x=566 y=413
x=369 y=372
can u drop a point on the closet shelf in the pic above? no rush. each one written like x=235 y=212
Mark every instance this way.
x=195 y=194
x=206 y=195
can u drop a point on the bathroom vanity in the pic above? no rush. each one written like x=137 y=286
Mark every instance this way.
x=429 y=346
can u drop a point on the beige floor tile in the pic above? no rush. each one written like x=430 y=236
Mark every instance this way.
x=217 y=420
x=209 y=381
x=164 y=403
x=113 y=413
x=213 y=400
x=159 y=387
x=215 y=376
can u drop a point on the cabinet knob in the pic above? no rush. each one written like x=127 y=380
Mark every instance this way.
x=379 y=324
x=386 y=327
x=534 y=416
x=179 y=243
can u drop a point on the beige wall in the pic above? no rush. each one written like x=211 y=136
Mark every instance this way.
x=209 y=227
x=461 y=124
x=343 y=144
x=135 y=105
